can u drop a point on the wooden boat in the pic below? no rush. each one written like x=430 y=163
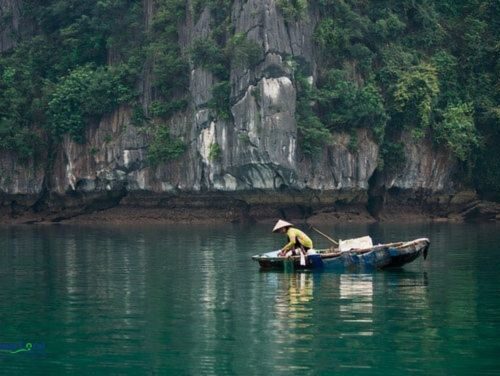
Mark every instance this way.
x=381 y=256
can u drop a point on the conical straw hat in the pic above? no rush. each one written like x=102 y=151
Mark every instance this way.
x=281 y=224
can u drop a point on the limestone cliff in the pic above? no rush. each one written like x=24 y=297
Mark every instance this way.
x=260 y=168
x=9 y=11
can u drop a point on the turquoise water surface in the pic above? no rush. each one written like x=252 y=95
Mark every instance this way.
x=188 y=300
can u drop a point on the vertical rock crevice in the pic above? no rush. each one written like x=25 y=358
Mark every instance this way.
x=376 y=194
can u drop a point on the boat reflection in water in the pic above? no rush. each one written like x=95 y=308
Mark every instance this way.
x=356 y=302
x=345 y=307
x=292 y=325
x=294 y=304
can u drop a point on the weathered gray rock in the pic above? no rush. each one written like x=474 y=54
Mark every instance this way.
x=253 y=159
x=19 y=177
x=481 y=211
x=112 y=148
x=339 y=168
x=425 y=167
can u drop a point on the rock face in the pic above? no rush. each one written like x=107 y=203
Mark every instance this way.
x=259 y=165
x=9 y=13
x=21 y=184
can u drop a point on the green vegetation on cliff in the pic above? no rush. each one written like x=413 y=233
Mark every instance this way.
x=76 y=65
x=426 y=68
x=402 y=68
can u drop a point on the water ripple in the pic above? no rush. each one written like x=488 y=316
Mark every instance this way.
x=188 y=300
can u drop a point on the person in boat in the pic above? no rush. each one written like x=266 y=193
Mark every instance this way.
x=297 y=240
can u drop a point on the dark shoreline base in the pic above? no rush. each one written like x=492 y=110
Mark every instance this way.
x=242 y=207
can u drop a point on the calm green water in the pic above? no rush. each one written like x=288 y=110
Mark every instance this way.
x=188 y=300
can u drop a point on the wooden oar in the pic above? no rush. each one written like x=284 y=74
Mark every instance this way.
x=326 y=236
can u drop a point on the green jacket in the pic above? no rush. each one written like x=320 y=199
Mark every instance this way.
x=297 y=237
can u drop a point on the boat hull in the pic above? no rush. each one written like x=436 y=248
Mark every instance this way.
x=383 y=256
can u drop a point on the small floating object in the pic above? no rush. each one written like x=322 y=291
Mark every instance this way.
x=349 y=257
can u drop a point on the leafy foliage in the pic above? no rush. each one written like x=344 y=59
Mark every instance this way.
x=163 y=109
x=414 y=96
x=393 y=66
x=207 y=54
x=71 y=47
x=343 y=104
x=170 y=68
x=220 y=100
x=243 y=52
x=82 y=96
x=215 y=152
x=427 y=67
x=20 y=107
x=313 y=134
x=292 y=9
x=164 y=147
x=392 y=156
x=239 y=52
x=457 y=131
